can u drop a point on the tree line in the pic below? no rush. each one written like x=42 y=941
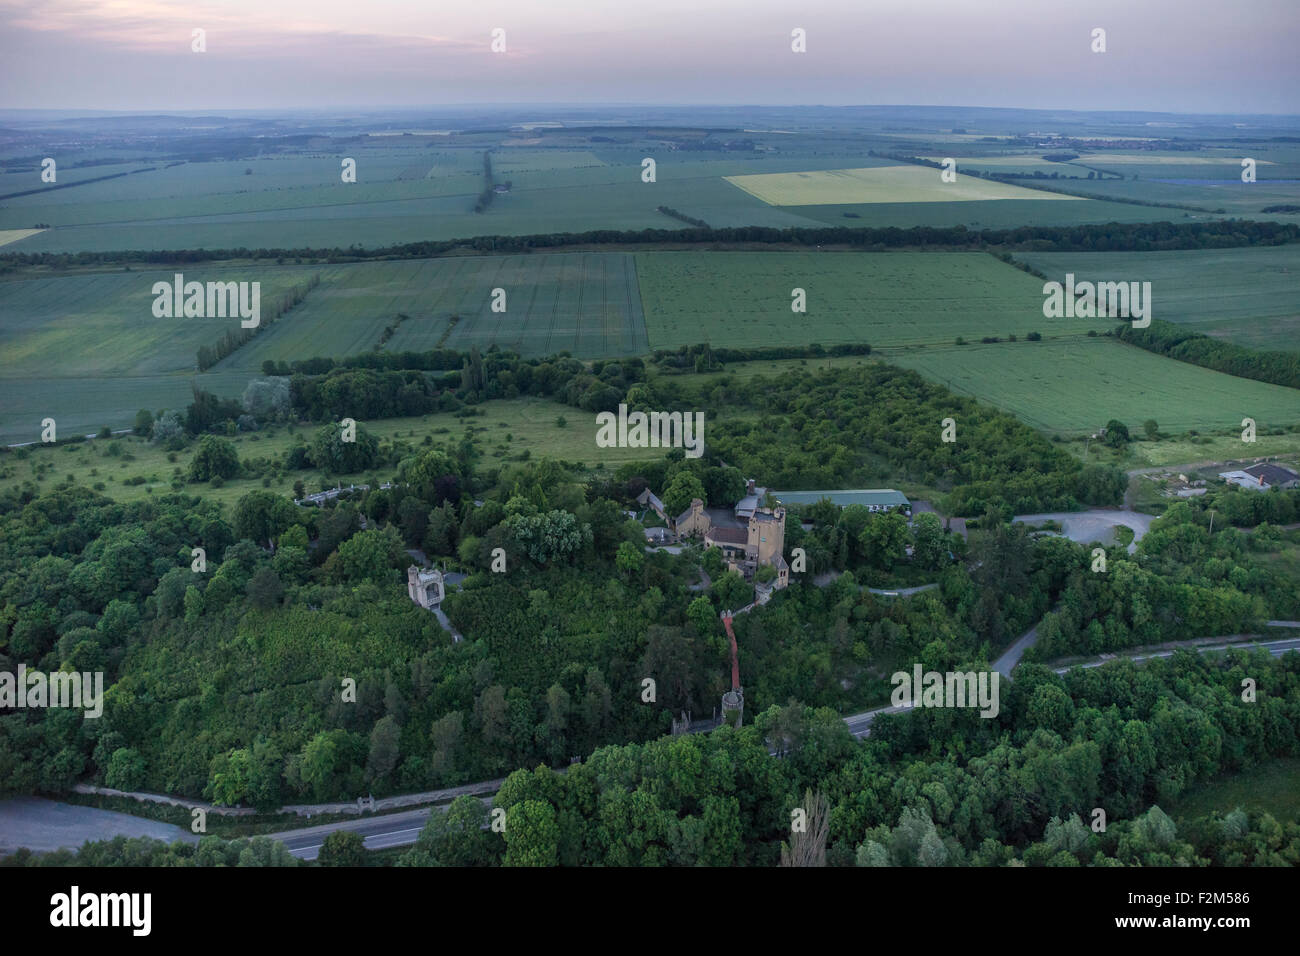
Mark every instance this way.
x=210 y=355
x=1179 y=342
x=1114 y=236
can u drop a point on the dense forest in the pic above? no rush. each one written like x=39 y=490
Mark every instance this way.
x=226 y=680
x=289 y=665
x=1072 y=773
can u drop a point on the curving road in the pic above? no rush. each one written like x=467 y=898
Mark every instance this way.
x=1005 y=664
x=401 y=829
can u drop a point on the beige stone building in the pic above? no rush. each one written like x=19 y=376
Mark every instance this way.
x=750 y=535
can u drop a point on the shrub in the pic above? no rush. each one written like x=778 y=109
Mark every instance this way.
x=215 y=458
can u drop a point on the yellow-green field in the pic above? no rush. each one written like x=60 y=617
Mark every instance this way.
x=877 y=184
x=13 y=235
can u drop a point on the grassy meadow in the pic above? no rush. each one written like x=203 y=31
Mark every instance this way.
x=507 y=430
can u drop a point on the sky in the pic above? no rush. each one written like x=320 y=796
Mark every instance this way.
x=1187 y=56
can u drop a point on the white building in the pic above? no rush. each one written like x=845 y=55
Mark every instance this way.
x=1262 y=477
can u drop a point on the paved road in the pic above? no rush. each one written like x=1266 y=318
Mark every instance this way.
x=1005 y=664
x=903 y=592
x=378 y=833
x=26 y=444
x=860 y=724
x=827 y=578
x=445 y=623
x=703 y=584
x=394 y=829
x=1275 y=648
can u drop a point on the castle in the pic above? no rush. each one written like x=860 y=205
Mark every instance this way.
x=425 y=588
x=749 y=535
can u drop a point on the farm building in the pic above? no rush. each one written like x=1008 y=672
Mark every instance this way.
x=1262 y=477
x=649 y=498
x=874 y=499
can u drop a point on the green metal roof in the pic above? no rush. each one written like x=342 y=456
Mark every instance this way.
x=887 y=497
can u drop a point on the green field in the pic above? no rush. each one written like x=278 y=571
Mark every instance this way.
x=1250 y=296
x=743 y=300
x=87 y=351
x=1208 y=180
x=103 y=323
x=424 y=187
x=402 y=194
x=83 y=404
x=985 y=213
x=1076 y=386
x=583 y=303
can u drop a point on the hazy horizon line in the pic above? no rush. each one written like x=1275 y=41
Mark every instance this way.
x=560 y=104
